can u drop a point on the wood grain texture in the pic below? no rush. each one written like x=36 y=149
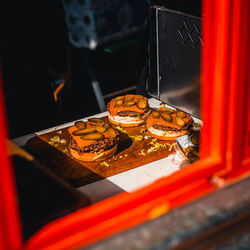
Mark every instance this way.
x=128 y=156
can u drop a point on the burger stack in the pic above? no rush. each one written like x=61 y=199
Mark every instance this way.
x=97 y=139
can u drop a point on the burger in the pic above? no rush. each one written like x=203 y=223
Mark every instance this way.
x=93 y=140
x=128 y=110
x=168 y=124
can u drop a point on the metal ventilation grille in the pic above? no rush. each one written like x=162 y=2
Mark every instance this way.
x=175 y=49
x=190 y=34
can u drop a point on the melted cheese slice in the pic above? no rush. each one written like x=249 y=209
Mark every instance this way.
x=160 y=121
x=82 y=143
x=114 y=110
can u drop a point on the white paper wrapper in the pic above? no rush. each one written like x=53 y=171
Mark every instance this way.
x=178 y=158
x=183 y=142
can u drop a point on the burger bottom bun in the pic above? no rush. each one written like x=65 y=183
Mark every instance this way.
x=126 y=124
x=93 y=156
x=166 y=136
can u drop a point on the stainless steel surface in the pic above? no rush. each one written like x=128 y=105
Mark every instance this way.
x=176 y=64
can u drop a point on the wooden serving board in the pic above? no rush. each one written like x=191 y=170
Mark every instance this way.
x=130 y=154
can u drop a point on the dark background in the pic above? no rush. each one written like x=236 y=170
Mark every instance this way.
x=35 y=51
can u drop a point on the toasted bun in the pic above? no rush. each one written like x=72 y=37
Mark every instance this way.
x=93 y=156
x=129 y=123
x=164 y=135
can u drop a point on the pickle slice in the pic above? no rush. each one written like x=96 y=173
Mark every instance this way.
x=142 y=103
x=195 y=151
x=166 y=116
x=100 y=129
x=80 y=124
x=195 y=138
x=164 y=109
x=84 y=131
x=92 y=136
x=138 y=96
x=155 y=114
x=129 y=99
x=96 y=120
x=111 y=132
x=129 y=104
x=181 y=114
x=180 y=122
x=118 y=103
x=119 y=98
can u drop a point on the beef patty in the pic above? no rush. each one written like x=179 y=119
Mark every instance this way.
x=103 y=144
x=128 y=113
x=187 y=126
x=132 y=113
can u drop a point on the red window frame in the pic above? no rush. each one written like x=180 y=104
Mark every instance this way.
x=225 y=146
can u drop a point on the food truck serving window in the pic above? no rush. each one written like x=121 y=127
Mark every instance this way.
x=225 y=146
